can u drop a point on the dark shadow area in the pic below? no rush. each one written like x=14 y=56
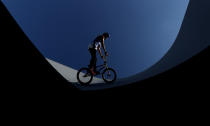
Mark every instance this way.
x=27 y=72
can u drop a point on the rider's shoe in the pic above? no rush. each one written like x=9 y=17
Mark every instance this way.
x=93 y=72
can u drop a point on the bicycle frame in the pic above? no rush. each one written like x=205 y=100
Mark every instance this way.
x=102 y=67
x=106 y=73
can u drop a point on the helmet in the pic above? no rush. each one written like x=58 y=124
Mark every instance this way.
x=106 y=35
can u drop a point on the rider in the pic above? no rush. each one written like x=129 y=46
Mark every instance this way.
x=94 y=47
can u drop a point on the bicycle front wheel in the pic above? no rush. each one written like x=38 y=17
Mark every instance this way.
x=109 y=75
x=84 y=76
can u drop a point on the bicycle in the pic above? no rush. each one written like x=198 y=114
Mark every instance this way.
x=85 y=76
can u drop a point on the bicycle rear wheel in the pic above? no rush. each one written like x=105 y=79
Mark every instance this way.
x=84 y=76
x=109 y=75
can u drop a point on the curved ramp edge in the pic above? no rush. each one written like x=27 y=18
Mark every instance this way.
x=192 y=39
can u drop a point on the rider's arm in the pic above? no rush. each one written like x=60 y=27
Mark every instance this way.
x=103 y=45
x=99 y=50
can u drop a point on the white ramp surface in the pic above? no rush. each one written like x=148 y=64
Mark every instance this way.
x=70 y=74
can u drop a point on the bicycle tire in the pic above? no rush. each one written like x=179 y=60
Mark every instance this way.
x=80 y=79
x=113 y=71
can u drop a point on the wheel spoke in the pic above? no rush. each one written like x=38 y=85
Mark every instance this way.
x=109 y=75
x=84 y=76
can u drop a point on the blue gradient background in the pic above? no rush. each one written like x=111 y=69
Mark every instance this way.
x=142 y=31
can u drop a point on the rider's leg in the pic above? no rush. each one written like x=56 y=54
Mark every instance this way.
x=93 y=59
